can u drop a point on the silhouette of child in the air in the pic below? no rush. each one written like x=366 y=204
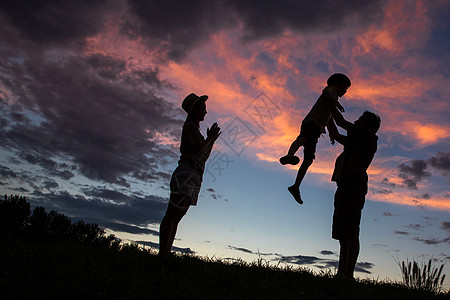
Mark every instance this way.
x=351 y=178
x=313 y=126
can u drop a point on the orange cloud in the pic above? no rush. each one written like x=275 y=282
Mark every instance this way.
x=405 y=24
x=425 y=134
x=401 y=198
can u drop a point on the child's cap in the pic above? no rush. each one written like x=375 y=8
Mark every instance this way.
x=191 y=100
x=337 y=78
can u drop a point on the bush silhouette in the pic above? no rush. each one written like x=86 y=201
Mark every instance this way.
x=17 y=221
x=14 y=216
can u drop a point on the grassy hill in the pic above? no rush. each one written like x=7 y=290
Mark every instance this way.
x=68 y=270
x=44 y=256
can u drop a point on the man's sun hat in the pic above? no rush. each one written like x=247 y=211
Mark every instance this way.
x=191 y=100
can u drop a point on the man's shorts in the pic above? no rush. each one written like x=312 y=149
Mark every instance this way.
x=311 y=132
x=349 y=201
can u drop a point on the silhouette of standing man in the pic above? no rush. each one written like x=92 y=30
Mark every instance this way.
x=187 y=178
x=350 y=174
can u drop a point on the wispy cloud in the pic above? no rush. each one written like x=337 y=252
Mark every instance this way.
x=401 y=232
x=302 y=260
x=174 y=248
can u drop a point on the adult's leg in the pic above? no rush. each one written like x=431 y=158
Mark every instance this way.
x=176 y=209
x=348 y=255
x=352 y=255
x=343 y=256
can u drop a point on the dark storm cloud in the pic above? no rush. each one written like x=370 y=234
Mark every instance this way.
x=268 y=17
x=109 y=209
x=173 y=28
x=7 y=173
x=416 y=170
x=54 y=21
x=441 y=161
x=327 y=252
x=24 y=177
x=50 y=184
x=92 y=117
x=53 y=168
x=177 y=27
x=413 y=173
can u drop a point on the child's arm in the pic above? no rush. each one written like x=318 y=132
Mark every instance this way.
x=338 y=118
x=334 y=134
x=330 y=94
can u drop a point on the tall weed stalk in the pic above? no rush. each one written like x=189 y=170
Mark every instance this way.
x=426 y=277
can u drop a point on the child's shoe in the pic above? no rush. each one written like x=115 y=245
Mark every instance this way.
x=289 y=159
x=296 y=193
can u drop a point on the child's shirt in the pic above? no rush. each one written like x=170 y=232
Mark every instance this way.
x=194 y=149
x=319 y=113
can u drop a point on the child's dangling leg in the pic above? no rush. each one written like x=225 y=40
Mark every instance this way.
x=290 y=158
x=295 y=188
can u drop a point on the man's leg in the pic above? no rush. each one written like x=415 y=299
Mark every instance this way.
x=352 y=255
x=348 y=255
x=343 y=256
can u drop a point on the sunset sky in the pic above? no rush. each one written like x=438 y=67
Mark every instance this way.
x=90 y=95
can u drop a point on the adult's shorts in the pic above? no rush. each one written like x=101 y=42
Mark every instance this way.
x=349 y=201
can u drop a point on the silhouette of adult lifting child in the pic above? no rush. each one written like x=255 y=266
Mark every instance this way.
x=313 y=125
x=187 y=178
x=350 y=175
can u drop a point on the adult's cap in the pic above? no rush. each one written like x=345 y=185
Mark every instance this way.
x=191 y=100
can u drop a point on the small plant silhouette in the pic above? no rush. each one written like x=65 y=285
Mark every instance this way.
x=427 y=277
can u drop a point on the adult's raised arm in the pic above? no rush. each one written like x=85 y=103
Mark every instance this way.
x=334 y=133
